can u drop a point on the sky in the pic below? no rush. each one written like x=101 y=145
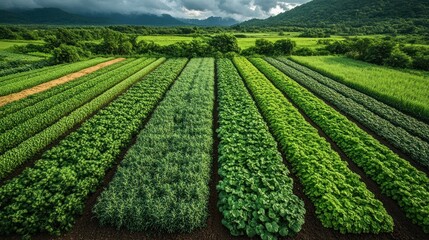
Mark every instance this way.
x=238 y=9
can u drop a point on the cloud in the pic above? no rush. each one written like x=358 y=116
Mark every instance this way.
x=238 y=9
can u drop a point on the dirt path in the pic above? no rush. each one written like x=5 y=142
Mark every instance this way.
x=45 y=86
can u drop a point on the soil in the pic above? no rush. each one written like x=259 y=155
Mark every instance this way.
x=45 y=86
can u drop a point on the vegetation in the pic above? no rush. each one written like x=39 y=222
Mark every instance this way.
x=255 y=191
x=395 y=176
x=382 y=52
x=351 y=17
x=402 y=90
x=408 y=123
x=31 y=145
x=341 y=200
x=168 y=169
x=68 y=172
x=17 y=84
x=397 y=136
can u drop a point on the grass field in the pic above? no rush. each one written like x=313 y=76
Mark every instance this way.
x=405 y=90
x=5 y=44
x=156 y=148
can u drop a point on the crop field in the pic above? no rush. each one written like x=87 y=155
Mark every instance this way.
x=205 y=148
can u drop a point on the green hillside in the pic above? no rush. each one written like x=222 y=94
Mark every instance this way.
x=399 y=14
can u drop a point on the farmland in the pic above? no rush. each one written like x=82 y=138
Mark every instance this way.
x=150 y=146
x=198 y=147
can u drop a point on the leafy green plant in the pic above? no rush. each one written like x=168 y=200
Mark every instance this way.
x=397 y=136
x=162 y=183
x=33 y=144
x=20 y=83
x=48 y=196
x=395 y=176
x=396 y=117
x=341 y=200
x=255 y=191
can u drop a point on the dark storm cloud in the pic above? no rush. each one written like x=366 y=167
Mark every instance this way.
x=239 y=9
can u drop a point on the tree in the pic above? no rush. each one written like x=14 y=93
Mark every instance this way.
x=398 y=59
x=66 y=54
x=224 y=43
x=263 y=46
x=284 y=46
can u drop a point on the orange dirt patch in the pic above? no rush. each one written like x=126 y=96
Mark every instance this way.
x=45 y=86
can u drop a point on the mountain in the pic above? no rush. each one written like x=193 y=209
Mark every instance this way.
x=55 y=16
x=45 y=16
x=211 y=22
x=355 y=13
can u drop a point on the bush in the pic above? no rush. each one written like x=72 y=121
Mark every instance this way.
x=284 y=46
x=421 y=62
x=263 y=46
x=224 y=43
x=66 y=54
x=398 y=59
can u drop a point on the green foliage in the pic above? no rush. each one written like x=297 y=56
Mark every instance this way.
x=255 y=191
x=382 y=52
x=397 y=136
x=342 y=201
x=62 y=179
x=65 y=54
x=404 y=91
x=26 y=123
x=11 y=84
x=162 y=183
x=224 y=43
x=391 y=114
x=351 y=17
x=395 y=176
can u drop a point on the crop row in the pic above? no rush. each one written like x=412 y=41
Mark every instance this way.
x=34 y=72
x=387 y=112
x=402 y=90
x=397 y=136
x=162 y=183
x=28 y=148
x=341 y=200
x=26 y=81
x=394 y=175
x=81 y=84
x=17 y=106
x=48 y=196
x=255 y=192
x=29 y=127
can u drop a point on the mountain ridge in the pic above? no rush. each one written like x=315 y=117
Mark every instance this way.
x=355 y=13
x=56 y=16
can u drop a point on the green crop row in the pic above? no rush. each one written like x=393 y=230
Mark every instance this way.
x=21 y=104
x=48 y=196
x=162 y=183
x=28 y=128
x=403 y=90
x=387 y=112
x=395 y=176
x=341 y=200
x=416 y=148
x=255 y=192
x=82 y=84
x=28 y=148
x=34 y=72
x=27 y=81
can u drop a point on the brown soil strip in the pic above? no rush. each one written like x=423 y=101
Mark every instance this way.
x=45 y=86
